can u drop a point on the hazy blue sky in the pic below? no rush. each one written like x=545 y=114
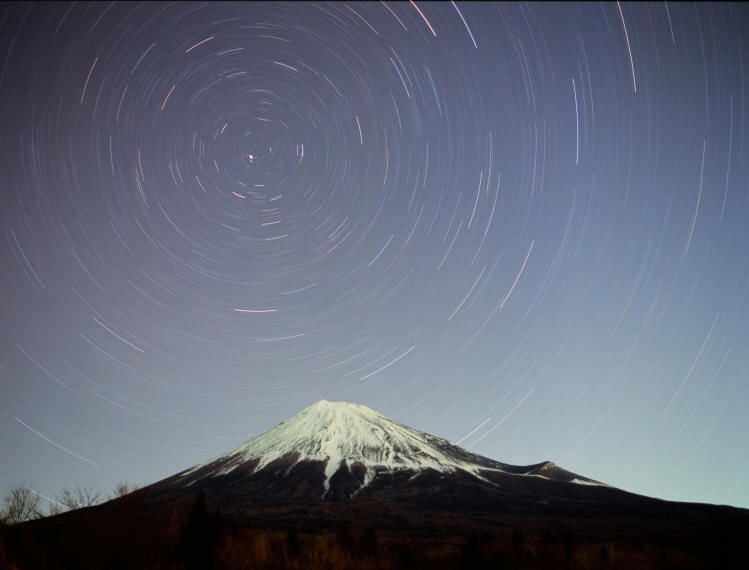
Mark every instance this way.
x=522 y=227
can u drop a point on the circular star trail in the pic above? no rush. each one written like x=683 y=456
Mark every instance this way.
x=521 y=227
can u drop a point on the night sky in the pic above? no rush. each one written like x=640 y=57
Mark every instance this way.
x=521 y=227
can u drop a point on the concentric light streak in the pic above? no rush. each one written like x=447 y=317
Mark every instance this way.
x=518 y=226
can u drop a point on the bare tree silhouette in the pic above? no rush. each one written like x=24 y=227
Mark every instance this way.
x=20 y=504
x=78 y=497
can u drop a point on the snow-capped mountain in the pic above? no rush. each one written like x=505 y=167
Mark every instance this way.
x=349 y=446
x=340 y=486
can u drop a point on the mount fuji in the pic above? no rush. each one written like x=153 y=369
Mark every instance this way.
x=340 y=486
x=341 y=449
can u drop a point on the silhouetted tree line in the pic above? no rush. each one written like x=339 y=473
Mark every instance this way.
x=22 y=503
x=193 y=534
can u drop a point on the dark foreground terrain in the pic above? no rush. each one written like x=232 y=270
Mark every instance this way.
x=431 y=522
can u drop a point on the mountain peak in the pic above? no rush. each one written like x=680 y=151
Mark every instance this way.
x=344 y=435
x=325 y=406
x=338 y=432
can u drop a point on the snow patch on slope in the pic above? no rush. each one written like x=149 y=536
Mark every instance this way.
x=579 y=481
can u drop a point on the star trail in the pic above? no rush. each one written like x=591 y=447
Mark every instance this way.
x=521 y=227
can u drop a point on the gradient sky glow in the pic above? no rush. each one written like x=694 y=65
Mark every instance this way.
x=521 y=227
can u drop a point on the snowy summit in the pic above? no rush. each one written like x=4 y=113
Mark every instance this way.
x=342 y=434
